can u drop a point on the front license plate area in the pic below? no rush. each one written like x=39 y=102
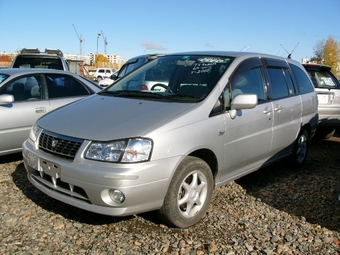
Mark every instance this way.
x=50 y=168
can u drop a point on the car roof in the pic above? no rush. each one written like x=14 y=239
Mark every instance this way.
x=236 y=54
x=148 y=56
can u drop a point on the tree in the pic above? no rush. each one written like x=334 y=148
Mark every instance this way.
x=328 y=53
x=5 y=58
x=318 y=51
x=100 y=58
x=332 y=54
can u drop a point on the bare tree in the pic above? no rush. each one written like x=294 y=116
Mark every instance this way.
x=318 y=50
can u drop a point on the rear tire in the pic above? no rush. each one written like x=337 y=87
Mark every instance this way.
x=189 y=193
x=300 y=149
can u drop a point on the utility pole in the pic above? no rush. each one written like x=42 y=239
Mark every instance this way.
x=105 y=41
x=80 y=40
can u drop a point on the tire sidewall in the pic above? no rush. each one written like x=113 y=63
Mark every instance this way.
x=170 y=211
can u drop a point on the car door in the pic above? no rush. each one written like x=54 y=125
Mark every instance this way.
x=17 y=118
x=63 y=89
x=248 y=135
x=286 y=105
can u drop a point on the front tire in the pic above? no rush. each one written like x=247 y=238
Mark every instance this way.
x=300 y=149
x=189 y=193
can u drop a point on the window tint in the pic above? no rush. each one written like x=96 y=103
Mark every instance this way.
x=323 y=79
x=289 y=80
x=36 y=62
x=248 y=78
x=303 y=83
x=64 y=86
x=24 y=88
x=278 y=84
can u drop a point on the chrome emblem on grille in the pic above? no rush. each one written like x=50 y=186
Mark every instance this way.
x=54 y=143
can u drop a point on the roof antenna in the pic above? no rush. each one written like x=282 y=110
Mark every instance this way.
x=289 y=54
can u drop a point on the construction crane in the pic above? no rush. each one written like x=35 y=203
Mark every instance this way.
x=80 y=40
x=105 y=41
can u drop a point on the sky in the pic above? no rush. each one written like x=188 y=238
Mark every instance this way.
x=136 y=27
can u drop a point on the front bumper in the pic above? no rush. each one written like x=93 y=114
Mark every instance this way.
x=85 y=183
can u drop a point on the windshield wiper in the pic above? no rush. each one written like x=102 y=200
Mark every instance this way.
x=108 y=92
x=134 y=93
x=181 y=96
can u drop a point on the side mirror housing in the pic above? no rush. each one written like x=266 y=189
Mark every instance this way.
x=242 y=101
x=6 y=99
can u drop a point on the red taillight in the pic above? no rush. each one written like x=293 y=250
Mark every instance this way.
x=143 y=87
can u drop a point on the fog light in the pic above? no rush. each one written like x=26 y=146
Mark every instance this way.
x=117 y=196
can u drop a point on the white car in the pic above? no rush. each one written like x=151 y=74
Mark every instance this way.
x=102 y=73
x=109 y=80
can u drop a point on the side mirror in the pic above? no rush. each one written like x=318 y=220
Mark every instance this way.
x=113 y=77
x=242 y=101
x=6 y=99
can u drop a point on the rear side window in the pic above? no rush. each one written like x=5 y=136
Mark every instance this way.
x=64 y=86
x=303 y=83
x=278 y=83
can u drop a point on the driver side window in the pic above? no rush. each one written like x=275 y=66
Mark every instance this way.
x=247 y=79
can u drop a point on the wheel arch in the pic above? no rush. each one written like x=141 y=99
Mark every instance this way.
x=209 y=157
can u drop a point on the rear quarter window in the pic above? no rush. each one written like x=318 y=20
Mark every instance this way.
x=302 y=80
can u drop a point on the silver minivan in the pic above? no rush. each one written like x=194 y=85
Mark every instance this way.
x=212 y=118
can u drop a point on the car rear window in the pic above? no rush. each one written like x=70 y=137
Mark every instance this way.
x=323 y=79
x=36 y=62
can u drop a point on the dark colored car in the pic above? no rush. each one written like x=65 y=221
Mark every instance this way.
x=136 y=62
x=327 y=87
x=34 y=58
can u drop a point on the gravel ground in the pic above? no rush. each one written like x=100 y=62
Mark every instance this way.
x=276 y=210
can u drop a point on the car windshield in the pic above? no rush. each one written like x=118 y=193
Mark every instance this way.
x=323 y=79
x=185 y=78
x=3 y=77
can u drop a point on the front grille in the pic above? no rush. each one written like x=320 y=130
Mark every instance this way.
x=59 y=145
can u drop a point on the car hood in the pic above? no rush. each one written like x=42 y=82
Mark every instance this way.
x=105 y=118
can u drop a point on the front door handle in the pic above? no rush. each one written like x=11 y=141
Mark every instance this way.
x=267 y=110
x=278 y=108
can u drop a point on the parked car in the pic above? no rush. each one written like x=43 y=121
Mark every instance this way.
x=27 y=94
x=109 y=80
x=327 y=87
x=136 y=62
x=102 y=73
x=34 y=58
x=223 y=115
x=128 y=67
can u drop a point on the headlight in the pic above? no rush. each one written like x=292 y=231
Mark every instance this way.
x=126 y=151
x=34 y=133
